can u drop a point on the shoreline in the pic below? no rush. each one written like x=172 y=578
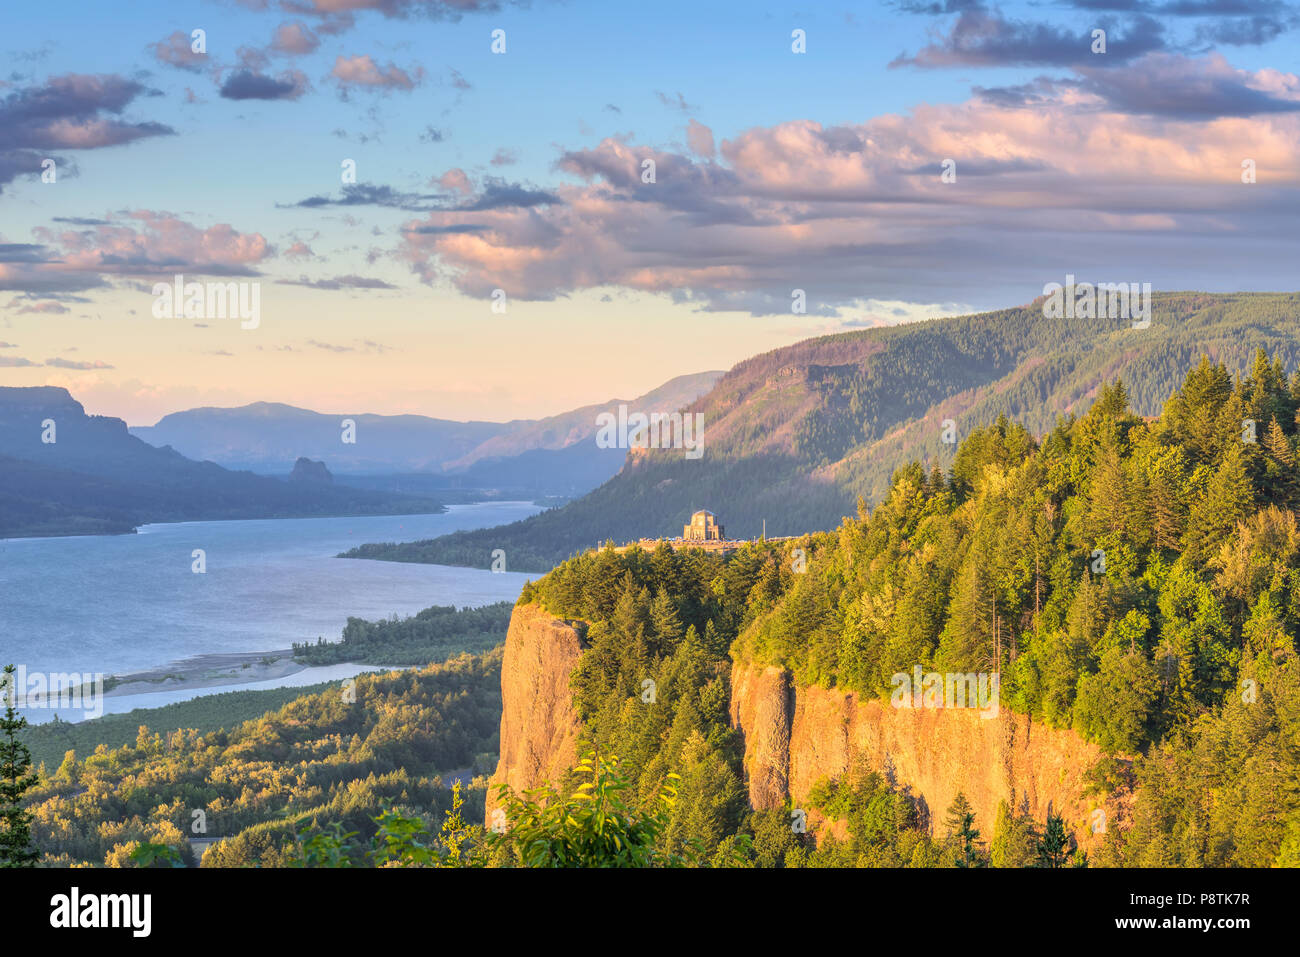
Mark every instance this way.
x=207 y=671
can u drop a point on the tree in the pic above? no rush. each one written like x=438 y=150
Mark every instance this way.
x=594 y=826
x=16 y=778
x=1054 y=846
x=961 y=828
x=1014 y=841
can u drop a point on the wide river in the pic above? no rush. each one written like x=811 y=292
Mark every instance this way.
x=116 y=604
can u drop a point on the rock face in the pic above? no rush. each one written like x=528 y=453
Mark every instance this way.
x=795 y=736
x=539 y=726
x=305 y=470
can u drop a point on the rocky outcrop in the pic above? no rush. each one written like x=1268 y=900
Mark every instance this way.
x=305 y=470
x=795 y=736
x=539 y=726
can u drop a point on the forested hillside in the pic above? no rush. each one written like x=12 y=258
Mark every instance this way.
x=797 y=435
x=336 y=759
x=1136 y=581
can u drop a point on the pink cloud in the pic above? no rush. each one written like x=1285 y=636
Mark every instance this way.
x=363 y=71
x=700 y=139
x=145 y=244
x=294 y=39
x=860 y=210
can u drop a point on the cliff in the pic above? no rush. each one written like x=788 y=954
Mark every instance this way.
x=539 y=727
x=794 y=736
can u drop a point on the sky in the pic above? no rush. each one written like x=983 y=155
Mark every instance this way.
x=490 y=210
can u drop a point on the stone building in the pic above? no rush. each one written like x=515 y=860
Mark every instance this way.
x=704 y=527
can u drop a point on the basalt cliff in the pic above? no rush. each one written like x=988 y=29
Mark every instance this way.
x=795 y=736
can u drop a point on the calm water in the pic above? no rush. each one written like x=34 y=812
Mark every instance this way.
x=130 y=602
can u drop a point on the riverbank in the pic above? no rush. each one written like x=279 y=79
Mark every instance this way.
x=207 y=671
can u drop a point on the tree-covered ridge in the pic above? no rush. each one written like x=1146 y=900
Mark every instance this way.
x=334 y=758
x=796 y=435
x=434 y=634
x=1138 y=581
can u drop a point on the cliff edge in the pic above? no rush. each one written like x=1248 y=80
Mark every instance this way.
x=539 y=726
x=794 y=736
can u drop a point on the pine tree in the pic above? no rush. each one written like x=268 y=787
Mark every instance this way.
x=1280 y=480
x=1227 y=499
x=665 y=621
x=16 y=778
x=1053 y=846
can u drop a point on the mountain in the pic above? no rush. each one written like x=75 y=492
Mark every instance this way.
x=574 y=428
x=305 y=470
x=269 y=437
x=797 y=435
x=64 y=472
x=552 y=456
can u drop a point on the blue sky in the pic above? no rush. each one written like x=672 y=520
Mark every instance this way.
x=520 y=172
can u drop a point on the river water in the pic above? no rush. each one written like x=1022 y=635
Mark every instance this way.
x=116 y=604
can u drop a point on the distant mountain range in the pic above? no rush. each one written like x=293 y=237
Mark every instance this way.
x=798 y=435
x=97 y=476
x=268 y=437
x=63 y=472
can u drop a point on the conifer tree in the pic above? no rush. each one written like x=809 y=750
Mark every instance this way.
x=16 y=778
x=1053 y=846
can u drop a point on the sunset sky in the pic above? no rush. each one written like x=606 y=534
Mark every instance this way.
x=522 y=171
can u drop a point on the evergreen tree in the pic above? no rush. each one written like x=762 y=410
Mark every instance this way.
x=1053 y=846
x=16 y=778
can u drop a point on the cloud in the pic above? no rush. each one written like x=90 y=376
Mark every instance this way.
x=143 y=243
x=44 y=308
x=984 y=38
x=178 y=50
x=455 y=180
x=17 y=362
x=73 y=112
x=451 y=10
x=298 y=251
x=855 y=212
x=700 y=139
x=1176 y=86
x=1246 y=31
x=362 y=194
x=505 y=157
x=294 y=39
x=432 y=135
x=82 y=366
x=23 y=253
x=676 y=102
x=338 y=283
x=362 y=71
x=498 y=194
x=247 y=85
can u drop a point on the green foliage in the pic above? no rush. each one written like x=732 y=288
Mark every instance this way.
x=1057 y=848
x=595 y=825
x=434 y=634
x=16 y=779
x=148 y=854
x=319 y=761
x=52 y=741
